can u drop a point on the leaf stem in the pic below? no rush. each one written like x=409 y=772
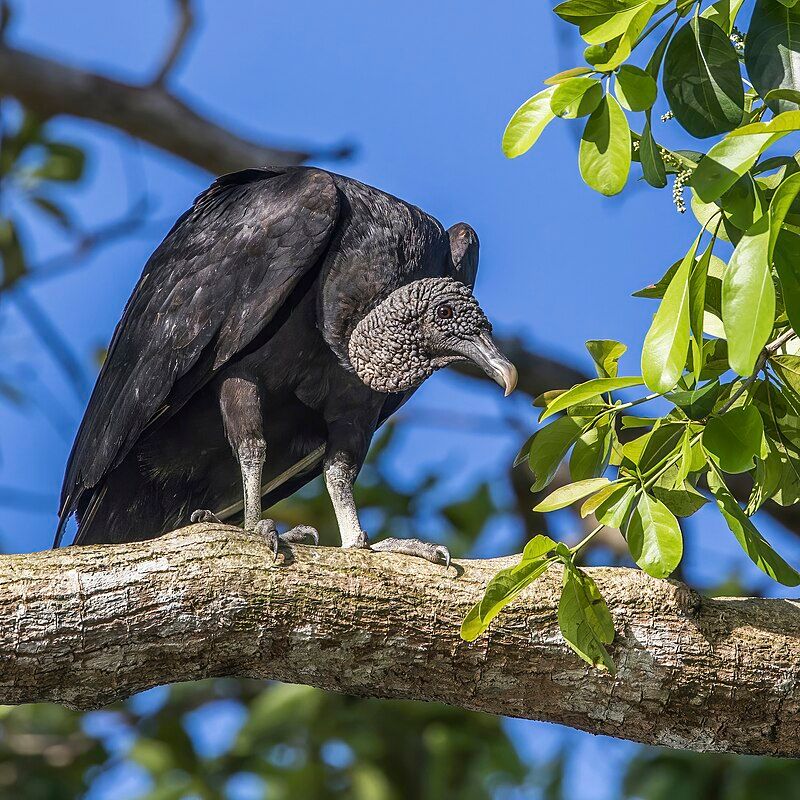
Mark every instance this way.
x=586 y=539
x=769 y=350
x=653 y=26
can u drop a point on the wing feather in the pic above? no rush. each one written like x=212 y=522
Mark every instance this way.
x=217 y=279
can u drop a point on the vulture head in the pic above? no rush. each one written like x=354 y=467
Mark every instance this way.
x=421 y=327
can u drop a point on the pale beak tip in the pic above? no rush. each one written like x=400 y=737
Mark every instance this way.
x=510 y=379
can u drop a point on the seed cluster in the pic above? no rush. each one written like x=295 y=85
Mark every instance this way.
x=677 y=189
x=737 y=40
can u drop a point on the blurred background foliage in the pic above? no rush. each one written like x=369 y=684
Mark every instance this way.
x=247 y=740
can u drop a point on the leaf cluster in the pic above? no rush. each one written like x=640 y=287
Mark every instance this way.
x=722 y=349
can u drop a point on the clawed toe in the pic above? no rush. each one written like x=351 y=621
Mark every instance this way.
x=204 y=515
x=435 y=553
x=301 y=534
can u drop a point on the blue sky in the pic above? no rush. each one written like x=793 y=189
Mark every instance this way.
x=424 y=91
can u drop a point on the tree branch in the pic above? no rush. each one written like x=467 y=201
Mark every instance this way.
x=85 y=626
x=149 y=113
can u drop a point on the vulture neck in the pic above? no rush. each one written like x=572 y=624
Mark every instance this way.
x=386 y=349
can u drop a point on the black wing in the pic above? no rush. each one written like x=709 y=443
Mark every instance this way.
x=218 y=278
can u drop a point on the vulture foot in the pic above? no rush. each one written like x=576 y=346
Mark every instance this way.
x=301 y=534
x=435 y=553
x=204 y=515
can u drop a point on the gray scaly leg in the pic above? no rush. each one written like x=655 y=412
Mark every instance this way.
x=340 y=474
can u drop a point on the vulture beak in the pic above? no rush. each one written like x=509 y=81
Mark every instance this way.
x=482 y=351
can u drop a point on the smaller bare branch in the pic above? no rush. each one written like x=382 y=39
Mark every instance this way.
x=183 y=30
x=58 y=347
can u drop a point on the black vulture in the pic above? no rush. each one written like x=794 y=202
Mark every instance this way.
x=284 y=317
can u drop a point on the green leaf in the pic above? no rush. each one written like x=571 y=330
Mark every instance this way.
x=654 y=537
x=772 y=54
x=786 y=122
x=697 y=403
x=605 y=150
x=567 y=495
x=748 y=298
x=12 y=256
x=506 y=585
x=726 y=162
x=748 y=536
x=653 y=66
x=636 y=90
x=723 y=13
x=527 y=124
x=576 y=97
x=667 y=342
x=611 y=506
x=601 y=20
x=792 y=95
x=584 y=619
x=702 y=80
x=682 y=501
x=697 y=304
x=659 y=445
x=585 y=391
x=788 y=369
x=591 y=452
x=574 y=72
x=651 y=160
x=548 y=448
x=779 y=207
x=64 y=162
x=733 y=440
x=787 y=264
x=606 y=354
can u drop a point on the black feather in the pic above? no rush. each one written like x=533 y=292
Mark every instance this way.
x=267 y=273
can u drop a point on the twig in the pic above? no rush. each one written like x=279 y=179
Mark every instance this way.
x=186 y=23
x=56 y=344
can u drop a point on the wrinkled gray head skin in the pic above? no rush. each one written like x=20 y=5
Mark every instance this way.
x=420 y=328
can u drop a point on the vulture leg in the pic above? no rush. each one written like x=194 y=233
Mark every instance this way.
x=341 y=467
x=241 y=417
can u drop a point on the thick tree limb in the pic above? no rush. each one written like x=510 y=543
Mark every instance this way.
x=150 y=113
x=86 y=626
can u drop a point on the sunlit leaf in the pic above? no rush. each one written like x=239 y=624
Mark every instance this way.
x=667 y=341
x=605 y=150
x=636 y=90
x=527 y=124
x=589 y=389
x=576 y=97
x=654 y=537
x=571 y=493
x=748 y=298
x=606 y=354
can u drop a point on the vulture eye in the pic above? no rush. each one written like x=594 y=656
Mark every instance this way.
x=444 y=311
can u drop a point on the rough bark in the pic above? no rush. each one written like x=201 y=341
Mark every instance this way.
x=86 y=626
x=150 y=112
